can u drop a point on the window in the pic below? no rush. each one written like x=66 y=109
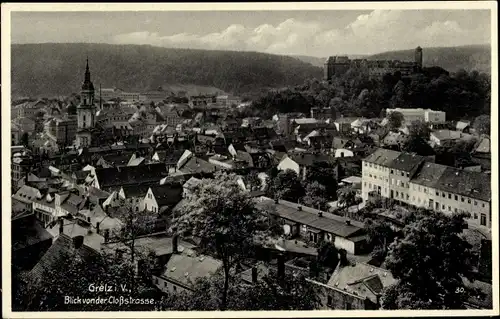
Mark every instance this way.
x=392 y=171
x=442 y=207
x=456 y=197
x=364 y=183
x=468 y=201
x=475 y=203
x=348 y=306
x=407 y=174
x=456 y=210
x=449 y=196
x=462 y=199
x=483 y=219
x=425 y=190
x=475 y=215
x=483 y=205
x=437 y=193
x=444 y=194
x=407 y=197
x=402 y=173
x=397 y=194
x=449 y=208
x=175 y=288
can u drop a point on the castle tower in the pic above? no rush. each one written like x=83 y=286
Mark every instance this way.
x=85 y=112
x=418 y=56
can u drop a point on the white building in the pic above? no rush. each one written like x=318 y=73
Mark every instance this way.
x=423 y=115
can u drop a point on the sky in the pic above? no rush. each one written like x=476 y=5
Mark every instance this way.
x=312 y=33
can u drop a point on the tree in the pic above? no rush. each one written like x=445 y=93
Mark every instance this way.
x=77 y=274
x=287 y=186
x=136 y=223
x=269 y=293
x=420 y=129
x=395 y=119
x=315 y=195
x=253 y=181
x=324 y=174
x=328 y=255
x=25 y=139
x=380 y=236
x=482 y=124
x=429 y=263
x=416 y=144
x=346 y=197
x=224 y=219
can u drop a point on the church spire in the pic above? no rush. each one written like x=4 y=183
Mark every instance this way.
x=87 y=84
x=87 y=71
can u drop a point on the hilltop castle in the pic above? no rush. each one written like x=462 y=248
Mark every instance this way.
x=337 y=65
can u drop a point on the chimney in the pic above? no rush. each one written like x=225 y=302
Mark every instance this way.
x=320 y=214
x=97 y=224
x=281 y=267
x=175 y=243
x=61 y=226
x=254 y=274
x=78 y=241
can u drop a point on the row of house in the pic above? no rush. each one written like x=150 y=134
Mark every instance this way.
x=418 y=181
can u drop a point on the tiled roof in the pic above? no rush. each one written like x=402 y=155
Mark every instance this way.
x=429 y=174
x=406 y=162
x=382 y=157
x=187 y=269
x=465 y=183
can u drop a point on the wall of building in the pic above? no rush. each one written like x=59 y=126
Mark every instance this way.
x=375 y=178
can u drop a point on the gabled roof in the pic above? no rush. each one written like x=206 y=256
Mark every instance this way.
x=135 y=191
x=167 y=195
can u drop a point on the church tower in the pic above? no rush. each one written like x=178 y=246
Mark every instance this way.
x=85 y=112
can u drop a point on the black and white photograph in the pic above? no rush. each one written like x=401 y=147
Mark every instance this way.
x=236 y=157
